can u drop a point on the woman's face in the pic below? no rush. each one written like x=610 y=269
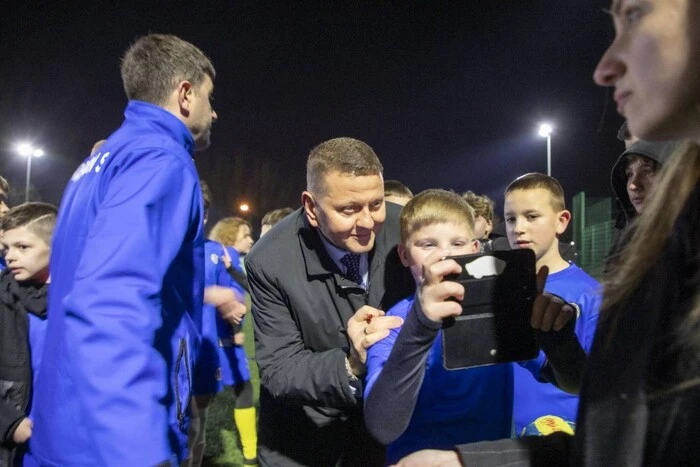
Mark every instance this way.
x=654 y=66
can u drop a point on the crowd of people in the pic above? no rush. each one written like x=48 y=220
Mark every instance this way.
x=120 y=321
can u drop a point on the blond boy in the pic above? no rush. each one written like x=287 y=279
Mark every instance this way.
x=411 y=401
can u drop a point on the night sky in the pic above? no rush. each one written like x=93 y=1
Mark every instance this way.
x=449 y=95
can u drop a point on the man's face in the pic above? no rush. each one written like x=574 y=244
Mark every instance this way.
x=202 y=116
x=458 y=239
x=350 y=211
x=27 y=255
x=532 y=222
x=3 y=203
x=264 y=228
x=641 y=177
x=244 y=240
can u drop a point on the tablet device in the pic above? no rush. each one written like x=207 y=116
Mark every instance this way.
x=494 y=327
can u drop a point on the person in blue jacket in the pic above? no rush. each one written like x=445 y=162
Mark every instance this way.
x=207 y=376
x=128 y=270
x=233 y=235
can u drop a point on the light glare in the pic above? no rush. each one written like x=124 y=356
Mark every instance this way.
x=545 y=130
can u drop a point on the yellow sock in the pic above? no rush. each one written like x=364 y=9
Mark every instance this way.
x=246 y=425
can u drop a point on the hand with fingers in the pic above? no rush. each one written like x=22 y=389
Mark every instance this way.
x=549 y=312
x=366 y=327
x=434 y=292
x=553 y=319
x=228 y=303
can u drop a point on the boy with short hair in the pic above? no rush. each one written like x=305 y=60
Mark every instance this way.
x=411 y=401
x=23 y=286
x=273 y=217
x=535 y=215
x=483 y=214
x=396 y=192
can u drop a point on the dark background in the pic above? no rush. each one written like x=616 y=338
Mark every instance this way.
x=448 y=94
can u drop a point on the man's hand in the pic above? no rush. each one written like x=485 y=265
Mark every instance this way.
x=366 y=327
x=430 y=458
x=229 y=305
x=549 y=313
x=434 y=292
x=23 y=431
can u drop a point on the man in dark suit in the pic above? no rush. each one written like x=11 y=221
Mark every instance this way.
x=319 y=282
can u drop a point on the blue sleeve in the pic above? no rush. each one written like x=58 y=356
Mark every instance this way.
x=378 y=354
x=115 y=308
x=588 y=321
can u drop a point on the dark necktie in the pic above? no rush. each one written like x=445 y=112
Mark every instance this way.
x=351 y=261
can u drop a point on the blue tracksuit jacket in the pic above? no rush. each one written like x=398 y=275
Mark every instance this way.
x=126 y=300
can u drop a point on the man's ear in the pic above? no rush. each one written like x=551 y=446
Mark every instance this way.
x=185 y=91
x=563 y=221
x=307 y=200
x=403 y=254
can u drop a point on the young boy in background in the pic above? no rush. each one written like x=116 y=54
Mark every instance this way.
x=535 y=215
x=207 y=377
x=23 y=288
x=411 y=401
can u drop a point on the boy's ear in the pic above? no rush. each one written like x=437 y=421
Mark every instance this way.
x=403 y=254
x=307 y=200
x=563 y=221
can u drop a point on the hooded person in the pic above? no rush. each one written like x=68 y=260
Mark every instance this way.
x=632 y=179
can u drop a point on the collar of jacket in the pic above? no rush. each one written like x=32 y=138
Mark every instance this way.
x=319 y=263
x=162 y=121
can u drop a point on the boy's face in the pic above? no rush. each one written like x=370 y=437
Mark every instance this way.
x=244 y=240
x=641 y=174
x=27 y=255
x=458 y=239
x=482 y=227
x=532 y=222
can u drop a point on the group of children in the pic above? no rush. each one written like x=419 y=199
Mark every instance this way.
x=438 y=409
x=411 y=401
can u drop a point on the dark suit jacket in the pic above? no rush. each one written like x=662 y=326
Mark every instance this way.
x=301 y=305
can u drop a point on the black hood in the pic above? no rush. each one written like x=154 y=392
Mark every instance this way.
x=658 y=151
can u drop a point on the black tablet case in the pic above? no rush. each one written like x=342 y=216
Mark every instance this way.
x=494 y=326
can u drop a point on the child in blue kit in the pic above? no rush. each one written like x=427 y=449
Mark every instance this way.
x=207 y=380
x=411 y=401
x=233 y=235
x=23 y=290
x=535 y=215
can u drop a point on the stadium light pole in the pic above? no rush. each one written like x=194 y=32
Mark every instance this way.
x=546 y=132
x=28 y=151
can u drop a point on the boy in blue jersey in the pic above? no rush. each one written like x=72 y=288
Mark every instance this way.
x=207 y=379
x=23 y=288
x=233 y=233
x=128 y=272
x=411 y=401
x=535 y=215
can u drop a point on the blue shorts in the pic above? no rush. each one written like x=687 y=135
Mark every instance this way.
x=234 y=365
